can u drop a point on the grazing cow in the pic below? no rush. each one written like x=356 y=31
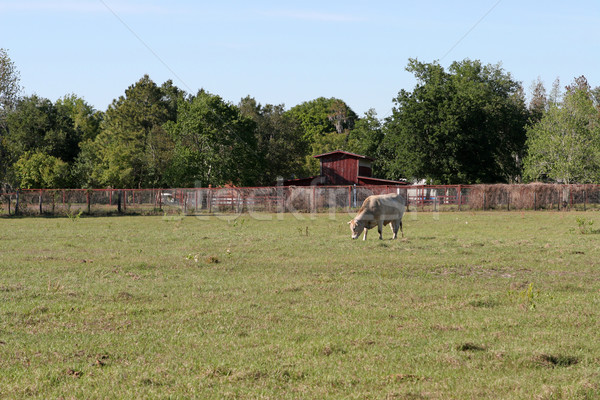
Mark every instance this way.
x=379 y=210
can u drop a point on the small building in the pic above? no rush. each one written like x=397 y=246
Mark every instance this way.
x=343 y=168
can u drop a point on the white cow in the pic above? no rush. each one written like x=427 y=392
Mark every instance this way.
x=379 y=210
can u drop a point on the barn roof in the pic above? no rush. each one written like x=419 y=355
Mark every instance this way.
x=352 y=155
x=364 y=180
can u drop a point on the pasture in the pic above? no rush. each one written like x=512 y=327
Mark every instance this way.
x=466 y=306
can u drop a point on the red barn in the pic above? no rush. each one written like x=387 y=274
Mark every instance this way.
x=343 y=168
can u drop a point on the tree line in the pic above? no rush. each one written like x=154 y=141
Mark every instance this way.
x=470 y=123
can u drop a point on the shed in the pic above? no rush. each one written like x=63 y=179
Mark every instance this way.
x=343 y=168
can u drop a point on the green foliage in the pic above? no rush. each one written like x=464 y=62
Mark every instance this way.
x=81 y=116
x=465 y=124
x=9 y=84
x=37 y=125
x=132 y=150
x=37 y=170
x=326 y=124
x=279 y=139
x=585 y=226
x=214 y=144
x=564 y=146
x=367 y=135
x=526 y=298
x=9 y=92
x=461 y=126
x=74 y=217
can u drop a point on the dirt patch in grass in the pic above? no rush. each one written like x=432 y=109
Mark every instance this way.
x=468 y=346
x=484 y=303
x=553 y=361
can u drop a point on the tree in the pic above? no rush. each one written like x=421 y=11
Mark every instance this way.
x=132 y=149
x=38 y=170
x=326 y=124
x=539 y=101
x=9 y=94
x=461 y=126
x=366 y=136
x=564 y=146
x=38 y=126
x=279 y=141
x=9 y=84
x=27 y=126
x=83 y=118
x=214 y=144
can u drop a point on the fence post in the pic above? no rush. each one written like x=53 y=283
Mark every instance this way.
x=41 y=192
x=119 y=202
x=534 y=200
x=17 y=212
x=349 y=197
x=508 y=200
x=584 y=199
x=459 y=197
x=88 y=200
x=9 y=201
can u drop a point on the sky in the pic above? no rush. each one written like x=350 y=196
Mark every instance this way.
x=289 y=52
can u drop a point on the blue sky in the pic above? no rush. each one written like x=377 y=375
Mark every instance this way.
x=289 y=52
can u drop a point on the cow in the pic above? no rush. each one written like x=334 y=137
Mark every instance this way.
x=379 y=210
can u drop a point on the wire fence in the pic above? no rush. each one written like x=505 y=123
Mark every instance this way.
x=291 y=199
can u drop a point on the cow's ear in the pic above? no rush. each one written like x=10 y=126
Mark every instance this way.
x=349 y=222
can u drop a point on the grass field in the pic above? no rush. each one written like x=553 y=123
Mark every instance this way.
x=466 y=306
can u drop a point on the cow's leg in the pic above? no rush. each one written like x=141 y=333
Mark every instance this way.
x=365 y=236
x=395 y=226
x=401 y=231
x=380 y=229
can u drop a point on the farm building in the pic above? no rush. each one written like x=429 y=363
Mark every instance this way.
x=343 y=168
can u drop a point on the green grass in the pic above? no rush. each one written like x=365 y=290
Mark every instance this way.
x=467 y=306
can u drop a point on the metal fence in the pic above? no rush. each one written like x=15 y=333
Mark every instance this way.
x=292 y=199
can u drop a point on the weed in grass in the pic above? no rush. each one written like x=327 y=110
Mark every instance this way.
x=194 y=257
x=72 y=216
x=527 y=298
x=212 y=260
x=302 y=232
x=585 y=226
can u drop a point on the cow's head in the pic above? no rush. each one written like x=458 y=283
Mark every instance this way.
x=356 y=227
